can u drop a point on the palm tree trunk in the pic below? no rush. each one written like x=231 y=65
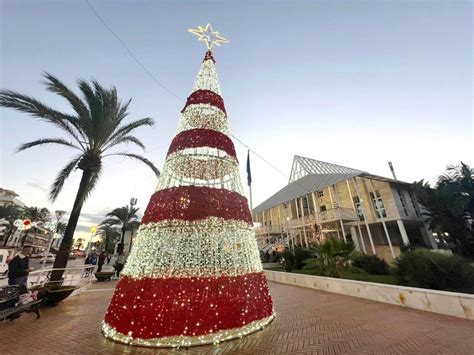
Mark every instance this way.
x=23 y=239
x=7 y=237
x=121 y=245
x=66 y=244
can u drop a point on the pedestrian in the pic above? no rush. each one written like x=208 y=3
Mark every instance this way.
x=102 y=257
x=119 y=264
x=18 y=269
x=93 y=258
x=109 y=256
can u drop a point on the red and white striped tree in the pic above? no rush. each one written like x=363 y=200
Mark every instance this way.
x=194 y=274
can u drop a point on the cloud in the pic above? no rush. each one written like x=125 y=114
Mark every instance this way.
x=37 y=186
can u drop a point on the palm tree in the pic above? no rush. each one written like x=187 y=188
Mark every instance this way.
x=450 y=206
x=127 y=218
x=109 y=235
x=9 y=214
x=95 y=126
x=35 y=214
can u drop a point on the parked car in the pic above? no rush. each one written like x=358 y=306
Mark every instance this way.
x=50 y=258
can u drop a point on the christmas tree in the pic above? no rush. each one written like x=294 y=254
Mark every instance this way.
x=194 y=274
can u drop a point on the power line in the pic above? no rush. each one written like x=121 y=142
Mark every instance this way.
x=131 y=53
x=166 y=89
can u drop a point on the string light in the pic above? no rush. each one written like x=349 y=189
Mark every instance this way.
x=194 y=275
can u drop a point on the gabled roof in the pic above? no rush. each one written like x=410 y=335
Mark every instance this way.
x=309 y=175
x=303 y=186
x=305 y=166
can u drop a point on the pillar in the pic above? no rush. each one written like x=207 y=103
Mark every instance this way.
x=403 y=232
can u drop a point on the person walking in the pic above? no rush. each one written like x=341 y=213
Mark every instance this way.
x=101 y=262
x=18 y=269
x=119 y=264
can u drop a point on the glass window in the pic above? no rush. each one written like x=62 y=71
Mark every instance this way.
x=358 y=206
x=323 y=208
x=402 y=201
x=412 y=200
x=320 y=193
x=378 y=204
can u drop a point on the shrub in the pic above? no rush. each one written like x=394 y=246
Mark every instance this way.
x=371 y=263
x=427 y=269
x=294 y=259
x=331 y=258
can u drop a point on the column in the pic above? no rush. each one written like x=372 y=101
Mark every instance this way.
x=428 y=236
x=339 y=213
x=355 y=238
x=304 y=222
x=403 y=232
x=365 y=216
x=357 y=216
x=378 y=212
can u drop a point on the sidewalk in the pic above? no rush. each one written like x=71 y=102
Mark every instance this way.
x=308 y=322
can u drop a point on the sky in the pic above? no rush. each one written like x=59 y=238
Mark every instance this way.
x=355 y=83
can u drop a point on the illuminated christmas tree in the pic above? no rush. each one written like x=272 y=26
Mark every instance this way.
x=194 y=274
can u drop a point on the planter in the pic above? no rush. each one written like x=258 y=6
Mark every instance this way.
x=104 y=275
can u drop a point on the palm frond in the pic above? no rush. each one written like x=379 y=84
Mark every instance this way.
x=126 y=129
x=54 y=85
x=46 y=141
x=27 y=104
x=140 y=158
x=58 y=184
x=125 y=139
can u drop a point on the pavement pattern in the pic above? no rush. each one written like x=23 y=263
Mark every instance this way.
x=308 y=322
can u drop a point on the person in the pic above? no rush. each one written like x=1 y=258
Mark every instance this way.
x=18 y=269
x=119 y=264
x=109 y=256
x=93 y=258
x=101 y=262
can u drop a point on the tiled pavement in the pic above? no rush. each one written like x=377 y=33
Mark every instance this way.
x=308 y=322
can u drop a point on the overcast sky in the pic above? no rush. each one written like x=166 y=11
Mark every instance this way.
x=356 y=83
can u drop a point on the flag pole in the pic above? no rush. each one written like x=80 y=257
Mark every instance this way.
x=249 y=182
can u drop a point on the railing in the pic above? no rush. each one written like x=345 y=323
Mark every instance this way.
x=80 y=276
x=269 y=229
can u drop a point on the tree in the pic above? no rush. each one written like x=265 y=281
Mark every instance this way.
x=194 y=273
x=95 y=129
x=450 y=206
x=9 y=213
x=109 y=234
x=331 y=257
x=35 y=214
x=126 y=217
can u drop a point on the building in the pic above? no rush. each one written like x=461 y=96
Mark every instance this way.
x=37 y=236
x=322 y=200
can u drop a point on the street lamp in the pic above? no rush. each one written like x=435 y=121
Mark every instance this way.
x=53 y=227
x=93 y=229
x=133 y=202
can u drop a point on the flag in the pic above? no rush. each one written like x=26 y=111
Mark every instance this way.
x=249 y=174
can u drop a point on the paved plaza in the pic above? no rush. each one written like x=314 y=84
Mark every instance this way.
x=308 y=322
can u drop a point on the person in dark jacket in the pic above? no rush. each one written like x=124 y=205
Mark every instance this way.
x=101 y=262
x=18 y=269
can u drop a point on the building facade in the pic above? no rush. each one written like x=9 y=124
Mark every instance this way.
x=322 y=200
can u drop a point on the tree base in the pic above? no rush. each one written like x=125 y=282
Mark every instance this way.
x=186 y=341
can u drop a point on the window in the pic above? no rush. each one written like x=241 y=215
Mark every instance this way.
x=358 y=206
x=412 y=200
x=320 y=193
x=402 y=201
x=323 y=208
x=378 y=204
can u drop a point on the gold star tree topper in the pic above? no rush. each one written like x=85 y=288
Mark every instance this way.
x=209 y=36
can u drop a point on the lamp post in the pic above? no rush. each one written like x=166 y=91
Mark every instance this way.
x=93 y=230
x=53 y=227
x=133 y=202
